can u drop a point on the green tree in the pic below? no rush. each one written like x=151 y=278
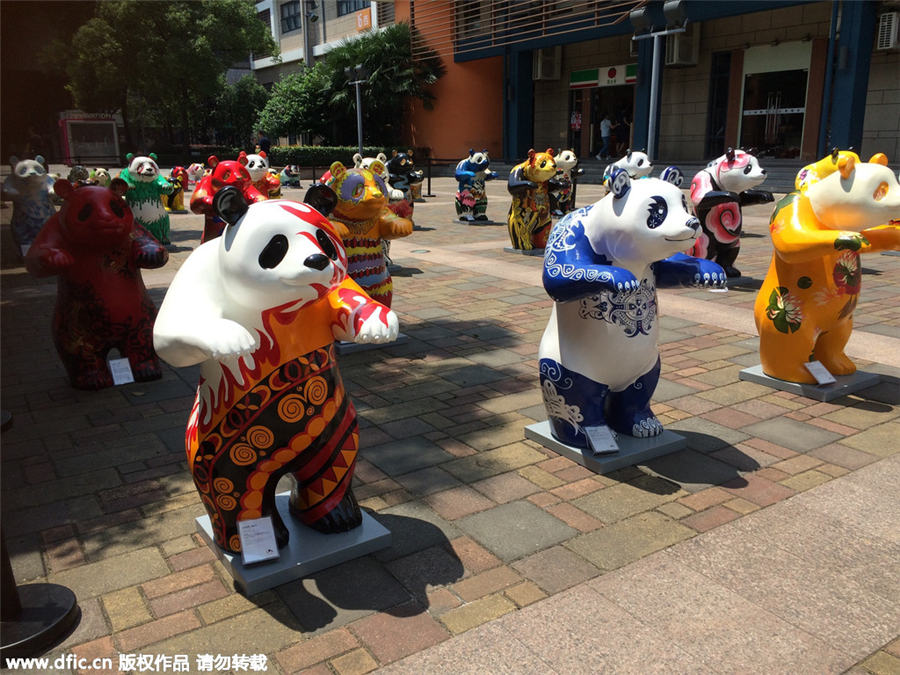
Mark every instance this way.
x=300 y=103
x=236 y=109
x=394 y=78
x=165 y=57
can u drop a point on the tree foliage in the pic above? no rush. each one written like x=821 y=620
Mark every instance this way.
x=164 y=57
x=236 y=109
x=321 y=100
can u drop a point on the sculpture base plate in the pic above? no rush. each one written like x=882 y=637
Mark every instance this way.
x=846 y=384
x=522 y=251
x=49 y=613
x=347 y=348
x=631 y=450
x=890 y=253
x=480 y=222
x=307 y=551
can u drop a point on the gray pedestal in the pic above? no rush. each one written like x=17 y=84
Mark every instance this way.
x=846 y=384
x=890 y=253
x=345 y=348
x=307 y=552
x=533 y=251
x=481 y=222
x=631 y=450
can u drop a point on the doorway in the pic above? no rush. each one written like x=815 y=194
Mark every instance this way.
x=618 y=103
x=774 y=111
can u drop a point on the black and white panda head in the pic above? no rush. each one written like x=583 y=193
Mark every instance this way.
x=636 y=163
x=276 y=252
x=257 y=165
x=566 y=160
x=642 y=220
x=143 y=168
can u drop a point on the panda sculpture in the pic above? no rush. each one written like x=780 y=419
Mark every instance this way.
x=145 y=186
x=843 y=207
x=562 y=196
x=228 y=172
x=96 y=250
x=718 y=193
x=599 y=358
x=471 y=197
x=636 y=165
x=30 y=190
x=100 y=176
x=174 y=203
x=530 y=183
x=259 y=309
x=264 y=180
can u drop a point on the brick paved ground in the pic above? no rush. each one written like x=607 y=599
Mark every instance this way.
x=96 y=493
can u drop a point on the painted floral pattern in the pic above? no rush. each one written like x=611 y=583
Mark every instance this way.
x=724 y=222
x=784 y=310
x=847 y=273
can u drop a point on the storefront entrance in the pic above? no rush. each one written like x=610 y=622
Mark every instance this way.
x=596 y=92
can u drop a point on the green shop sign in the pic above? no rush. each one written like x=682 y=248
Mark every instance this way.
x=605 y=76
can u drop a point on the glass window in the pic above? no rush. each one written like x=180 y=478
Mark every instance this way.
x=348 y=6
x=290 y=16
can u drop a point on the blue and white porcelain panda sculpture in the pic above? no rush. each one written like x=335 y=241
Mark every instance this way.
x=599 y=357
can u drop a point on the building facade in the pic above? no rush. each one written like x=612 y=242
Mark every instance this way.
x=790 y=78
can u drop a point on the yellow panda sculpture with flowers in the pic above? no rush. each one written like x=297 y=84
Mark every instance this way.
x=529 y=213
x=842 y=207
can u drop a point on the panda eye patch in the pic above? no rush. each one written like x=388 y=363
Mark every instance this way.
x=640 y=162
x=747 y=168
x=658 y=212
x=326 y=244
x=274 y=252
x=85 y=212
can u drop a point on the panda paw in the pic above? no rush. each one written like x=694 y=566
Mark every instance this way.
x=379 y=327
x=709 y=275
x=624 y=281
x=647 y=427
x=230 y=338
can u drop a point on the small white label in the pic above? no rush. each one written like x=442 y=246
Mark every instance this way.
x=602 y=440
x=257 y=540
x=121 y=371
x=24 y=248
x=820 y=372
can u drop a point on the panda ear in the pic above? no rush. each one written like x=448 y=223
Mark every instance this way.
x=619 y=182
x=322 y=198
x=262 y=153
x=153 y=156
x=211 y=161
x=381 y=157
x=337 y=169
x=63 y=188
x=229 y=204
x=628 y=154
x=471 y=151
x=378 y=167
x=550 y=151
x=129 y=157
x=357 y=160
x=39 y=159
x=242 y=158
x=729 y=155
x=13 y=161
x=673 y=175
x=531 y=156
x=834 y=154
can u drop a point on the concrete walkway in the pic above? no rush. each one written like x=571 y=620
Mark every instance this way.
x=810 y=585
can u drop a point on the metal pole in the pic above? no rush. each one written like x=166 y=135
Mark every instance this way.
x=654 y=99
x=359 y=118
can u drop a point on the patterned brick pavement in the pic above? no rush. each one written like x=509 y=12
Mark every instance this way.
x=96 y=493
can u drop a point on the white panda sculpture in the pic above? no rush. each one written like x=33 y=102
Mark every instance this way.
x=258 y=166
x=636 y=165
x=259 y=309
x=599 y=357
x=360 y=162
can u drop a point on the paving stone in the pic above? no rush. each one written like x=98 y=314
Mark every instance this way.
x=710 y=518
x=486 y=464
x=744 y=457
x=859 y=417
x=411 y=426
x=706 y=498
x=705 y=436
x=840 y=454
x=692 y=470
x=666 y=390
x=525 y=594
x=191 y=597
x=485 y=583
x=135 y=639
x=792 y=434
x=881 y=663
x=880 y=440
x=178 y=581
x=541 y=478
x=125 y=608
x=674 y=510
x=515 y=530
x=620 y=501
x=316 y=649
x=474 y=557
x=341 y=594
x=457 y=502
x=427 y=481
x=556 y=569
x=476 y=613
x=628 y=540
x=102 y=648
x=390 y=638
x=426 y=570
x=506 y=487
x=413 y=527
x=91 y=626
x=400 y=457
x=119 y=539
x=231 y=605
x=756 y=489
x=112 y=574
x=469 y=375
x=512 y=402
x=579 y=488
x=501 y=430
x=441 y=600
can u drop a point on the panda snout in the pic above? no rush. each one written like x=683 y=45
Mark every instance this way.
x=317 y=261
x=762 y=171
x=693 y=223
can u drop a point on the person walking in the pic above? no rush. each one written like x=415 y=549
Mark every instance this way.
x=605 y=136
x=263 y=143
